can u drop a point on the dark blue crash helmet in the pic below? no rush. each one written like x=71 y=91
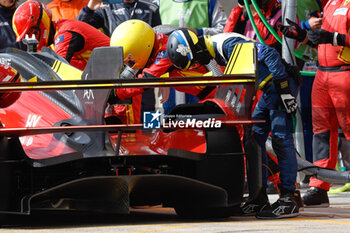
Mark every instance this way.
x=184 y=48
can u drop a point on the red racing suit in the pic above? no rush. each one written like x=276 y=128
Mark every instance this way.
x=158 y=64
x=237 y=17
x=331 y=89
x=238 y=21
x=74 y=40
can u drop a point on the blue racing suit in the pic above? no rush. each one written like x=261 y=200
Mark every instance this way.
x=269 y=107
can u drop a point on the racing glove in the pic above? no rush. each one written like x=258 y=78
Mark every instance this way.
x=321 y=36
x=289 y=102
x=293 y=30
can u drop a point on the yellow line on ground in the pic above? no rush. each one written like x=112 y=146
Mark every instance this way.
x=322 y=220
x=275 y=226
x=303 y=219
x=161 y=229
x=170 y=226
x=253 y=220
x=71 y=228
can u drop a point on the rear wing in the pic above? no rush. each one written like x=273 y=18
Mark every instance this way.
x=240 y=97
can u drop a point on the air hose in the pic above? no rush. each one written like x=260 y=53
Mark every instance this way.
x=250 y=16
x=324 y=174
x=213 y=67
x=271 y=30
x=327 y=175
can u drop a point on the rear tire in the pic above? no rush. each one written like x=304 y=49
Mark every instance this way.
x=5 y=179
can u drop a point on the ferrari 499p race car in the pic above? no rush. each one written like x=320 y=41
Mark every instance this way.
x=198 y=172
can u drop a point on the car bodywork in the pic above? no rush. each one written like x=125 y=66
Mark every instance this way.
x=199 y=172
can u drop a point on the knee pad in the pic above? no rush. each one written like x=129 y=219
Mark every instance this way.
x=321 y=145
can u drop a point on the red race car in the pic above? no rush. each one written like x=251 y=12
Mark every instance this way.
x=46 y=163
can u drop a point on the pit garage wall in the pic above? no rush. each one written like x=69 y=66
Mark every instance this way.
x=227 y=4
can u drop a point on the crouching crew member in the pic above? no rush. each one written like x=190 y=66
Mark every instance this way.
x=142 y=49
x=276 y=106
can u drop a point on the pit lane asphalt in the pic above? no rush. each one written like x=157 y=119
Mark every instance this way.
x=335 y=219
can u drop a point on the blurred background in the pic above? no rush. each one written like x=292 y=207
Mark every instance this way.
x=227 y=4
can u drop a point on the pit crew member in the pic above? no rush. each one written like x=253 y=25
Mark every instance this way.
x=330 y=92
x=148 y=54
x=72 y=39
x=276 y=106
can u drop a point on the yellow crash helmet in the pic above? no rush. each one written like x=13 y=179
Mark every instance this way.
x=137 y=39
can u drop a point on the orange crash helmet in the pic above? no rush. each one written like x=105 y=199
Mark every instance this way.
x=32 y=18
x=7 y=74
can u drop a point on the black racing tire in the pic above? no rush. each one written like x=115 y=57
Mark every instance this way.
x=5 y=179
